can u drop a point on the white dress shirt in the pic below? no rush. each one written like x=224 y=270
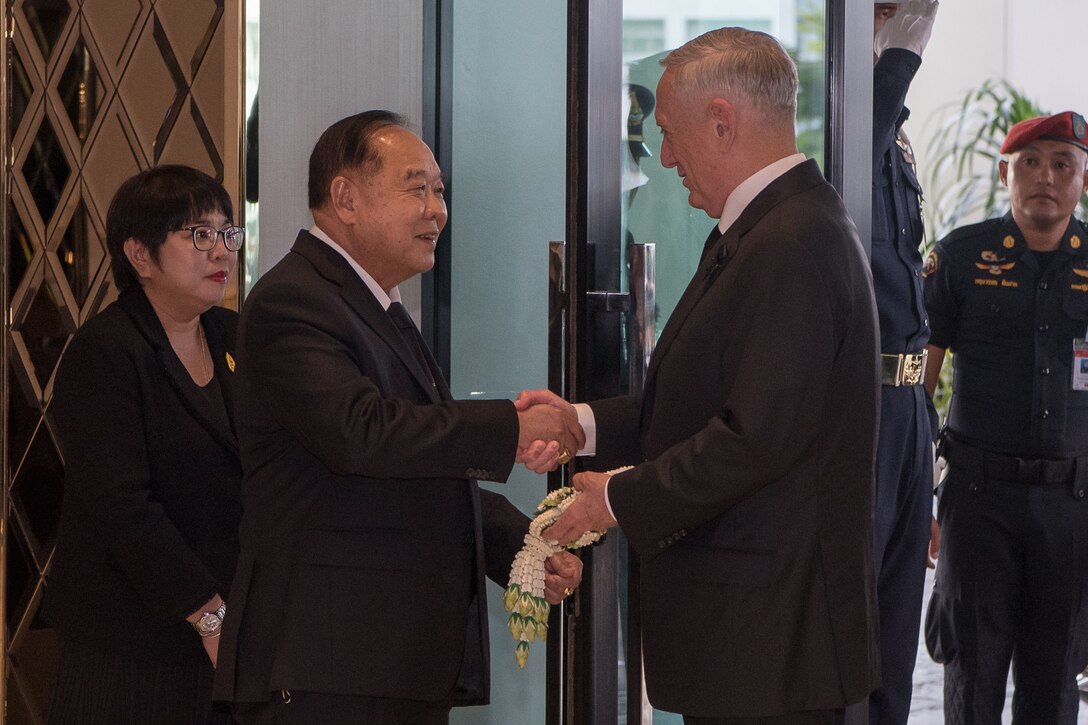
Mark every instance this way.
x=385 y=298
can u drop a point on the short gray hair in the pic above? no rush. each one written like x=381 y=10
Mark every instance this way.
x=738 y=62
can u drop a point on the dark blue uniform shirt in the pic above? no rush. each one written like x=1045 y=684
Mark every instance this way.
x=1010 y=323
x=897 y=216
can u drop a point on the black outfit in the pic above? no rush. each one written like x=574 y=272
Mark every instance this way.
x=751 y=510
x=1014 y=520
x=365 y=537
x=904 y=467
x=148 y=529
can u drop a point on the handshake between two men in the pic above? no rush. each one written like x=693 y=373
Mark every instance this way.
x=550 y=435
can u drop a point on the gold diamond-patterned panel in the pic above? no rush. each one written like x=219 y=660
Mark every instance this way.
x=207 y=91
x=46 y=170
x=150 y=96
x=184 y=142
x=82 y=88
x=44 y=21
x=43 y=321
x=100 y=89
x=34 y=658
x=36 y=487
x=115 y=26
x=80 y=253
x=187 y=26
x=21 y=91
x=114 y=156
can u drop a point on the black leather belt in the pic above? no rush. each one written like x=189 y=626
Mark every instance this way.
x=903 y=368
x=1011 y=468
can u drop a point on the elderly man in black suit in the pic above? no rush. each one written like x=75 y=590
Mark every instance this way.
x=365 y=539
x=750 y=506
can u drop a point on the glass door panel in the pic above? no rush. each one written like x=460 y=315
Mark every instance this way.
x=507 y=198
x=655 y=207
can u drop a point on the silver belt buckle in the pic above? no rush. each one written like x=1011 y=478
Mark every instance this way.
x=909 y=368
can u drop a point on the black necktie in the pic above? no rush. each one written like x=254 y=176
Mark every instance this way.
x=399 y=314
x=714 y=236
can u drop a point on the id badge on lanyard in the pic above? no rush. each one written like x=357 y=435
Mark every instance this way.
x=1080 y=363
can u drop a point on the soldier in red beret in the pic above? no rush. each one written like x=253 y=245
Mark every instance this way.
x=1009 y=298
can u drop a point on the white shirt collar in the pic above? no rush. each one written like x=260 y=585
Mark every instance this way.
x=385 y=298
x=749 y=189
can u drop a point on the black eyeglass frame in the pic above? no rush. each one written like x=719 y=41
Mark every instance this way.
x=237 y=236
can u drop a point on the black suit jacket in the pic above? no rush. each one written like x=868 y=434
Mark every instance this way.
x=364 y=534
x=148 y=528
x=752 y=511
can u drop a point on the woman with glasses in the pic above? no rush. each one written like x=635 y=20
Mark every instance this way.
x=142 y=414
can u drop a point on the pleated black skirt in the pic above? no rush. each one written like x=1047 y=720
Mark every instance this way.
x=99 y=687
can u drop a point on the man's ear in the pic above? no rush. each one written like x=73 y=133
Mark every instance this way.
x=723 y=118
x=139 y=256
x=343 y=196
x=1003 y=172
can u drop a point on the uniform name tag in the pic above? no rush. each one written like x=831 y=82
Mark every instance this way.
x=1080 y=364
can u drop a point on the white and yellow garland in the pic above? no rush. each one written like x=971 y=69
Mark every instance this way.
x=524 y=597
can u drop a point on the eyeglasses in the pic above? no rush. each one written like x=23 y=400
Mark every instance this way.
x=204 y=238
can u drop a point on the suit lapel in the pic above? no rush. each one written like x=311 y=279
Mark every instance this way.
x=718 y=254
x=138 y=308
x=358 y=296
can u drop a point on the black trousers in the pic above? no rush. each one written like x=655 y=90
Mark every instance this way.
x=317 y=708
x=810 y=717
x=98 y=687
x=1010 y=587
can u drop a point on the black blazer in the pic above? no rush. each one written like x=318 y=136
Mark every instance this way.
x=148 y=529
x=752 y=514
x=365 y=539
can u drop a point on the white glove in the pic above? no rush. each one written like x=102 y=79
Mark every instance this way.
x=909 y=29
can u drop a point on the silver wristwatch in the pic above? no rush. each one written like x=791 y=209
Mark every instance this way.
x=210 y=623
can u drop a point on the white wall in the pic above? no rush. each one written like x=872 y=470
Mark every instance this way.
x=1037 y=45
x=322 y=61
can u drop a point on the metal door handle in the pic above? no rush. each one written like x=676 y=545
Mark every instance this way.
x=641 y=318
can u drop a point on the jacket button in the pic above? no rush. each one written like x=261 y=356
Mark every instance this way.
x=469 y=539
x=1045 y=415
x=1045 y=371
x=1044 y=328
x=1080 y=493
x=661 y=544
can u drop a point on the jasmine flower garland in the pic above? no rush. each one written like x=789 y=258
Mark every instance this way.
x=524 y=597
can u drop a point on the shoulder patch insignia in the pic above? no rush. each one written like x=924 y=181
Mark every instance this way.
x=931 y=264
